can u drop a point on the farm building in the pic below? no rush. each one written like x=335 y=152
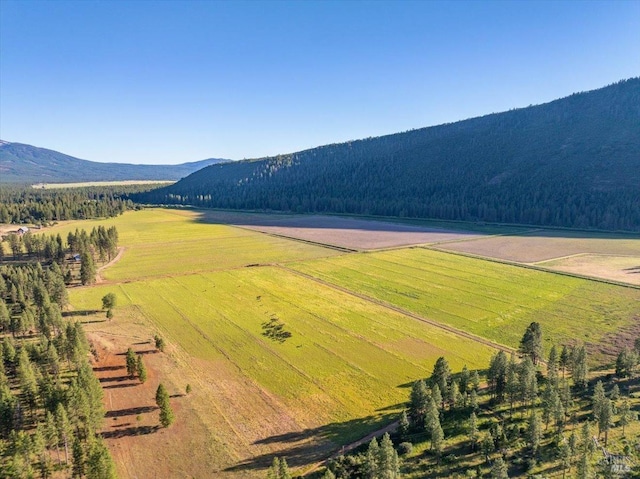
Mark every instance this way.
x=22 y=230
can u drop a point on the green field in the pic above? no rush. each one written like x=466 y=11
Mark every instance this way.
x=347 y=368
x=493 y=300
x=346 y=359
x=171 y=242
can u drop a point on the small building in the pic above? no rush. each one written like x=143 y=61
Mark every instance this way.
x=76 y=257
x=22 y=230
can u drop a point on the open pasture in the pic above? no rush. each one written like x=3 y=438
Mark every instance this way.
x=345 y=368
x=493 y=300
x=351 y=233
x=162 y=242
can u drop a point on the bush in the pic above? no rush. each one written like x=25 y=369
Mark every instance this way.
x=405 y=448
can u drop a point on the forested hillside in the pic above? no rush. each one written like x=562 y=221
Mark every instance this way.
x=21 y=163
x=573 y=162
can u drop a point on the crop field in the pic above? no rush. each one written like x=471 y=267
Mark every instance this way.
x=492 y=300
x=344 y=372
x=352 y=233
x=544 y=245
x=345 y=368
x=169 y=242
x=352 y=347
x=617 y=268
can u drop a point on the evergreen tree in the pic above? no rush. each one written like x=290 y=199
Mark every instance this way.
x=472 y=431
x=372 y=469
x=499 y=470
x=131 y=363
x=99 y=464
x=141 y=370
x=605 y=419
x=403 y=424
x=87 y=269
x=388 y=465
x=78 y=468
x=497 y=375
x=534 y=432
x=441 y=375
x=531 y=342
x=627 y=416
x=418 y=402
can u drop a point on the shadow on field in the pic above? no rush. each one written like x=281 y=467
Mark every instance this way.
x=130 y=431
x=81 y=312
x=132 y=411
x=311 y=445
x=146 y=351
x=118 y=386
x=115 y=379
x=108 y=368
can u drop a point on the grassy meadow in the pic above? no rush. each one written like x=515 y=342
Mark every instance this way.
x=347 y=367
x=492 y=300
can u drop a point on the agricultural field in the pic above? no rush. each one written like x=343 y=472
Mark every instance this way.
x=353 y=331
x=168 y=242
x=344 y=371
x=345 y=232
x=625 y=269
x=492 y=300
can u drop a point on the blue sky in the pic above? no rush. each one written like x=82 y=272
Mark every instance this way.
x=176 y=81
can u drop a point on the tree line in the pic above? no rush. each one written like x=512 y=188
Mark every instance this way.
x=50 y=401
x=101 y=244
x=19 y=204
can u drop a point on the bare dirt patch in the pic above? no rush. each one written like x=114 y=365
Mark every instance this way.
x=544 y=245
x=351 y=233
x=617 y=268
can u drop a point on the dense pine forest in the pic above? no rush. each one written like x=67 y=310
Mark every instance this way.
x=51 y=408
x=25 y=205
x=573 y=162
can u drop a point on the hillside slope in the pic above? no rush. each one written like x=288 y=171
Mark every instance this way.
x=20 y=163
x=572 y=162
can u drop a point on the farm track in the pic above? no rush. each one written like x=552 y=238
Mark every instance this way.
x=402 y=311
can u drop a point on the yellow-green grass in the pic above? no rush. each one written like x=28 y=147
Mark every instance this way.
x=489 y=299
x=347 y=359
x=164 y=242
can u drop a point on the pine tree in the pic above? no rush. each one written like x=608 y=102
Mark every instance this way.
x=499 y=470
x=78 y=468
x=403 y=424
x=627 y=416
x=141 y=370
x=418 y=402
x=388 y=465
x=534 y=432
x=531 y=342
x=131 y=363
x=473 y=431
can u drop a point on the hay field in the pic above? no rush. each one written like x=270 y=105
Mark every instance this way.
x=625 y=269
x=544 y=245
x=496 y=301
x=344 y=372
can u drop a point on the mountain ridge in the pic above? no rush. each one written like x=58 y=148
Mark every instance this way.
x=574 y=162
x=22 y=163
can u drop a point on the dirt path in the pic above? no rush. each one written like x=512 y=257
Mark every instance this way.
x=350 y=447
x=114 y=260
x=405 y=312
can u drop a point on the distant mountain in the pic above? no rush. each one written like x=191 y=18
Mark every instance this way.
x=572 y=162
x=21 y=163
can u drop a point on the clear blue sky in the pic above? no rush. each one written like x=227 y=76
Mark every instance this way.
x=176 y=81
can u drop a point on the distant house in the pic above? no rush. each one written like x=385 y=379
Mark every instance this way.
x=76 y=257
x=22 y=230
